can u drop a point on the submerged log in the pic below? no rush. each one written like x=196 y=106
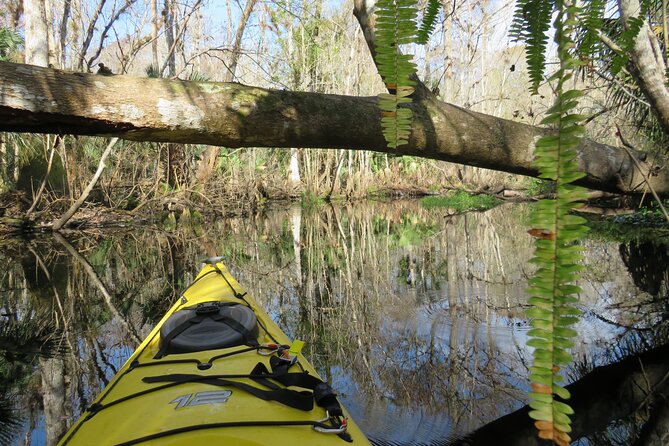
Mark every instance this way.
x=606 y=394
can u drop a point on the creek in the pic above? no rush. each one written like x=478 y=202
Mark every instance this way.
x=415 y=316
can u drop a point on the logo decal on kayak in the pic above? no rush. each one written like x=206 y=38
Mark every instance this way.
x=200 y=398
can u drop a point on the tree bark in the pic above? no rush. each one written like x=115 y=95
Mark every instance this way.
x=52 y=371
x=210 y=155
x=65 y=18
x=647 y=64
x=154 y=34
x=36 y=40
x=42 y=100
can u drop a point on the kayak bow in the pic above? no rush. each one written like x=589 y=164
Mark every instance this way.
x=216 y=370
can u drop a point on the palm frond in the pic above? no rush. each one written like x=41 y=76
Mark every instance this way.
x=23 y=340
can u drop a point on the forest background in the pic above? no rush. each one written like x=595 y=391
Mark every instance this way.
x=312 y=46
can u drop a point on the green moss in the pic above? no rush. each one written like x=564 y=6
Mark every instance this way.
x=210 y=87
x=537 y=186
x=460 y=201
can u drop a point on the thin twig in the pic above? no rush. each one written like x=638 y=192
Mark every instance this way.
x=627 y=146
x=55 y=144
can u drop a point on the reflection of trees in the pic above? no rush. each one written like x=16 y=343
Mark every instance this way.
x=99 y=295
x=351 y=302
x=434 y=343
x=647 y=263
x=22 y=341
x=449 y=343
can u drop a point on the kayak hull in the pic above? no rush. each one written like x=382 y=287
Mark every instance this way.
x=205 y=397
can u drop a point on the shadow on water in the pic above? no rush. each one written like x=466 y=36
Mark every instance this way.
x=416 y=318
x=648 y=265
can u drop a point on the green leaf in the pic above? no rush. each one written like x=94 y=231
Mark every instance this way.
x=542 y=397
x=429 y=21
x=539 y=343
x=541 y=415
x=563 y=408
x=395 y=26
x=553 y=287
x=541 y=379
x=561 y=392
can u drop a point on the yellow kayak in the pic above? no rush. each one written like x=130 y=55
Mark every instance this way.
x=216 y=370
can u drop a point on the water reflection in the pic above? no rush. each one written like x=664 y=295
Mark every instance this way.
x=416 y=317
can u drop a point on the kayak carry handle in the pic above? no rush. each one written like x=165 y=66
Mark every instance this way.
x=213 y=260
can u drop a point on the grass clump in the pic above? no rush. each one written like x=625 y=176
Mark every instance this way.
x=460 y=201
x=537 y=186
x=311 y=201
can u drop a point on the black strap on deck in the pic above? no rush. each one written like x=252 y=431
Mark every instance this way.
x=198 y=427
x=291 y=398
x=321 y=392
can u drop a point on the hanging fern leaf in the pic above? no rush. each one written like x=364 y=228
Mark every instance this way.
x=429 y=21
x=626 y=43
x=552 y=288
x=395 y=26
x=530 y=25
x=592 y=22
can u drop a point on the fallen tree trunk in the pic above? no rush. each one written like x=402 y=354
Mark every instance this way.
x=42 y=100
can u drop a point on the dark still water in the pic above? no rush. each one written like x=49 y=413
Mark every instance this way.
x=416 y=317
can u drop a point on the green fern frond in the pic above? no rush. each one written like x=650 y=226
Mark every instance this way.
x=553 y=287
x=429 y=21
x=395 y=26
x=626 y=43
x=519 y=22
x=530 y=25
x=628 y=35
x=592 y=22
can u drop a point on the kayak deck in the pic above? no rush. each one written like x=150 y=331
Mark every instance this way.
x=249 y=394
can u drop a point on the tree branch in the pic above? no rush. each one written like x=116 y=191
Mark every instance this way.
x=58 y=224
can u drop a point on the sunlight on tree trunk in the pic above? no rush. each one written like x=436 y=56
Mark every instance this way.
x=36 y=40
